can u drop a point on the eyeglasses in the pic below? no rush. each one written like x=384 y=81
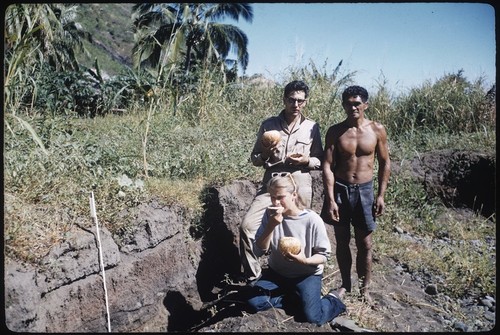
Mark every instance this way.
x=292 y=101
x=285 y=174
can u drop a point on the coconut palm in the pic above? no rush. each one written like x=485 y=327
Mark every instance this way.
x=36 y=35
x=186 y=34
x=49 y=29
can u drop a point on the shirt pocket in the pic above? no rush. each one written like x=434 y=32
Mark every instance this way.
x=302 y=146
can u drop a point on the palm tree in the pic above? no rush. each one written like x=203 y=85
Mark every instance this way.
x=36 y=35
x=186 y=34
x=48 y=28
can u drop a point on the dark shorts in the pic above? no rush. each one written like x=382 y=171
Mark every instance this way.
x=355 y=203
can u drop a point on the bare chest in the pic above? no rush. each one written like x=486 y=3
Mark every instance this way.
x=357 y=142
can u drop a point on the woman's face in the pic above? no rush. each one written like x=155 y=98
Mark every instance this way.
x=280 y=197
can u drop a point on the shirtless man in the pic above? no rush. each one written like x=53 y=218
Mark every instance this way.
x=348 y=167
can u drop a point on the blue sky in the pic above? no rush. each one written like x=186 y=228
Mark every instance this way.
x=407 y=43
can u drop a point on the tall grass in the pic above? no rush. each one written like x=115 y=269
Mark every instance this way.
x=171 y=149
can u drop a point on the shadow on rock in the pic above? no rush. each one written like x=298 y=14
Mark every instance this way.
x=231 y=303
x=220 y=256
x=182 y=315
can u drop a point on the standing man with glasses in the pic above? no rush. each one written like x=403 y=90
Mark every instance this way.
x=298 y=151
x=351 y=147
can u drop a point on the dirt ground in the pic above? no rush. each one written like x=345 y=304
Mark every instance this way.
x=404 y=301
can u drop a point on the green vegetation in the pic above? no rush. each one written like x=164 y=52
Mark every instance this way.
x=153 y=139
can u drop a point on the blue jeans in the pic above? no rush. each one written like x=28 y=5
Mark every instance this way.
x=272 y=290
x=355 y=203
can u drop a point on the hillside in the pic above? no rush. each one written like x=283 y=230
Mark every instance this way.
x=111 y=28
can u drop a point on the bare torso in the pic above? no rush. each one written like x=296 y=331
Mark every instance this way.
x=354 y=151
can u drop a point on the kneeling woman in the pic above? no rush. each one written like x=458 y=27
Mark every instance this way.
x=293 y=275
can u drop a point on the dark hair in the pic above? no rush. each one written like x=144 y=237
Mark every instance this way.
x=353 y=91
x=296 y=85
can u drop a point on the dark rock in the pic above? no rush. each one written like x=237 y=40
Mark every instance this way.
x=460 y=178
x=460 y=326
x=431 y=289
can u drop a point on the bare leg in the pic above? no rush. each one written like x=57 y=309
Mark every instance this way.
x=364 y=261
x=344 y=258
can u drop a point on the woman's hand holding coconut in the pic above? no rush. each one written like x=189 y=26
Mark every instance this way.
x=291 y=248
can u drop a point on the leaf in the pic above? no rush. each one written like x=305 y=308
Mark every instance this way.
x=34 y=136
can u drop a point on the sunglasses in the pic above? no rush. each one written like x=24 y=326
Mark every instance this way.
x=285 y=174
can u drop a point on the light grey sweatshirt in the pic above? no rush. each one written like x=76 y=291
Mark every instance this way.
x=310 y=229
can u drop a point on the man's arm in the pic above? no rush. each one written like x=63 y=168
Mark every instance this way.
x=384 y=168
x=328 y=176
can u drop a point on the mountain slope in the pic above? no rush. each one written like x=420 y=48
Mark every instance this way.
x=111 y=27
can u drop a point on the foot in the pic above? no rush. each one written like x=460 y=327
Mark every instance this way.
x=337 y=293
x=367 y=298
x=253 y=280
x=241 y=279
x=246 y=280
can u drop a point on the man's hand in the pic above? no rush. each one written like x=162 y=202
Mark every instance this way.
x=333 y=211
x=297 y=159
x=269 y=152
x=379 y=206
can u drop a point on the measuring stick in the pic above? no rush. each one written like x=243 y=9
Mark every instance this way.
x=93 y=214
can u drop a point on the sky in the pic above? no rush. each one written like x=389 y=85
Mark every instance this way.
x=403 y=44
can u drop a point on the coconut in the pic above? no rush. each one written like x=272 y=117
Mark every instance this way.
x=270 y=138
x=289 y=244
x=273 y=210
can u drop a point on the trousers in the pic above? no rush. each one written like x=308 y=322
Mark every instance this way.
x=272 y=290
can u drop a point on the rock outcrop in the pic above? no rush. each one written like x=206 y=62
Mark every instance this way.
x=66 y=292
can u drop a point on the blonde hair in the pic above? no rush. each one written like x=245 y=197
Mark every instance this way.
x=286 y=181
